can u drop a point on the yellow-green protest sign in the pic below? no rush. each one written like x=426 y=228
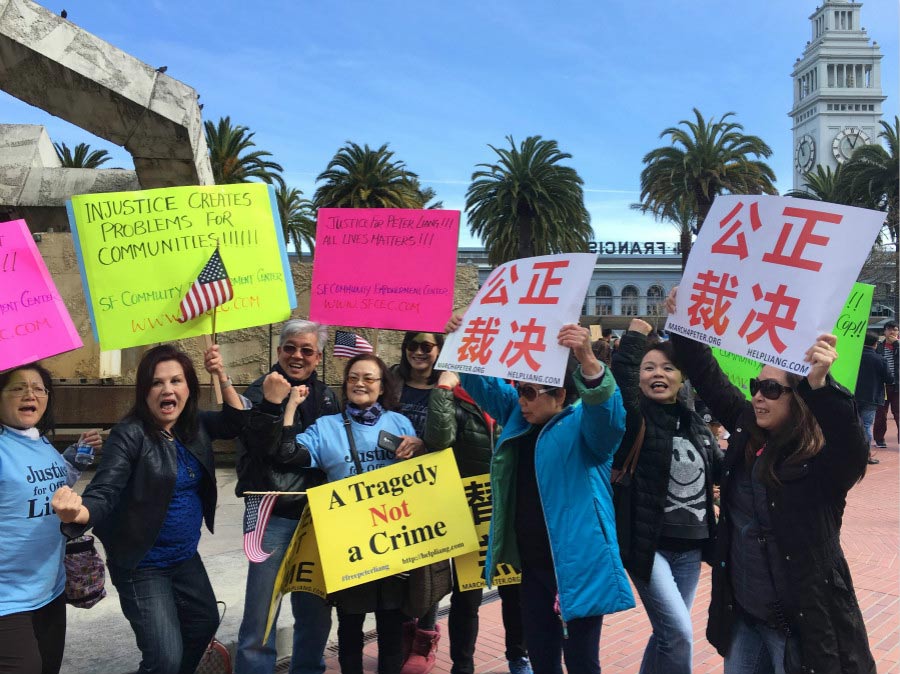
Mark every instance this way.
x=393 y=519
x=470 y=567
x=850 y=329
x=140 y=252
x=300 y=570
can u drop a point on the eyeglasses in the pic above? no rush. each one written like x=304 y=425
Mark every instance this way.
x=770 y=388
x=423 y=347
x=367 y=380
x=530 y=393
x=21 y=390
x=305 y=351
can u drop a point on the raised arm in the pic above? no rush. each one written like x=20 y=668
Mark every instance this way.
x=602 y=412
x=725 y=400
x=846 y=450
x=626 y=364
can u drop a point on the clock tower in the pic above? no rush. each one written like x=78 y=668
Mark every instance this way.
x=837 y=90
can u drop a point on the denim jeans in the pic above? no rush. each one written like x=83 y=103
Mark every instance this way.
x=172 y=611
x=668 y=598
x=312 y=616
x=755 y=649
x=543 y=629
x=867 y=418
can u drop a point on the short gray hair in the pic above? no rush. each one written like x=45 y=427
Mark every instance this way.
x=299 y=326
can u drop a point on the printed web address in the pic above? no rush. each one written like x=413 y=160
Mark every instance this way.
x=432 y=553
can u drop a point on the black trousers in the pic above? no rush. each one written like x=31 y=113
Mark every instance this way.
x=32 y=642
x=389 y=625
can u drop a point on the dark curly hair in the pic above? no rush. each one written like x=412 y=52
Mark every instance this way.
x=46 y=424
x=186 y=426
x=390 y=386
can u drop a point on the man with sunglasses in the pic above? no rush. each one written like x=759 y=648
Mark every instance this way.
x=299 y=353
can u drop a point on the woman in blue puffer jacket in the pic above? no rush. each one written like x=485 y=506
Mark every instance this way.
x=553 y=514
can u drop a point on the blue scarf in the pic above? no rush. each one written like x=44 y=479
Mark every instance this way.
x=368 y=416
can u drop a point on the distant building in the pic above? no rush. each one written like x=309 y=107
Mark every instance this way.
x=837 y=90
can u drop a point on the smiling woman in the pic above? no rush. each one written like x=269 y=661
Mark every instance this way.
x=153 y=490
x=669 y=523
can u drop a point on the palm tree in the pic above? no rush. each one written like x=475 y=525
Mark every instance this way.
x=527 y=204
x=231 y=162
x=425 y=194
x=824 y=185
x=360 y=177
x=298 y=221
x=683 y=216
x=82 y=157
x=873 y=175
x=705 y=159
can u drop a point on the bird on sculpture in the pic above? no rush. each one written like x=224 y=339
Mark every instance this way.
x=64 y=14
x=162 y=69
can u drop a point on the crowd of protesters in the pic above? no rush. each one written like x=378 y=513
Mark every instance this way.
x=782 y=596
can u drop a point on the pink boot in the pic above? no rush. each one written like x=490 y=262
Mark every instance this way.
x=423 y=654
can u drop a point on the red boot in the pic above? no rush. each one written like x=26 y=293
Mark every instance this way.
x=423 y=654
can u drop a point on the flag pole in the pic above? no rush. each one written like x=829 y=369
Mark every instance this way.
x=216 y=391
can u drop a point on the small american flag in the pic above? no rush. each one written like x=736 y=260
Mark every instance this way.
x=257 y=508
x=212 y=288
x=349 y=344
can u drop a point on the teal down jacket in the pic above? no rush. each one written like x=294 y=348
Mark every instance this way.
x=573 y=458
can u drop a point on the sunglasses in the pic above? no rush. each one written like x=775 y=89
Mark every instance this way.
x=423 y=347
x=770 y=389
x=530 y=393
x=305 y=351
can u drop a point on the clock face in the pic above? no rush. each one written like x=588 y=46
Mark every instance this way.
x=847 y=141
x=805 y=156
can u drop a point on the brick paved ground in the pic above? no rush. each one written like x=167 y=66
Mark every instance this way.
x=870 y=540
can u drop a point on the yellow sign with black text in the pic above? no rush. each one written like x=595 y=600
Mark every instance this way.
x=301 y=568
x=470 y=567
x=390 y=520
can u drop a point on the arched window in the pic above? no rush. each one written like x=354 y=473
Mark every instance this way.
x=656 y=296
x=604 y=301
x=630 y=301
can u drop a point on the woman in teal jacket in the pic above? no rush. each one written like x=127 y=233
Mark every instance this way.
x=553 y=515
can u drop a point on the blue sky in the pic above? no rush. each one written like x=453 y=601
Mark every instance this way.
x=440 y=81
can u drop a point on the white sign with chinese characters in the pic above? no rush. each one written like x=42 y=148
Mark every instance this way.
x=510 y=328
x=768 y=275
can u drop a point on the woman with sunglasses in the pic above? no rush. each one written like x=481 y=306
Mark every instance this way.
x=153 y=490
x=552 y=509
x=418 y=354
x=668 y=523
x=782 y=597
x=370 y=395
x=32 y=575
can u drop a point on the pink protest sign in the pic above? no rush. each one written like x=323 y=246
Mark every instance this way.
x=34 y=323
x=386 y=268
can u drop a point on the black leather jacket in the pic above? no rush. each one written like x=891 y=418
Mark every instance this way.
x=129 y=496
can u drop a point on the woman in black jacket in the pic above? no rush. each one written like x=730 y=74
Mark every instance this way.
x=153 y=489
x=782 y=597
x=668 y=524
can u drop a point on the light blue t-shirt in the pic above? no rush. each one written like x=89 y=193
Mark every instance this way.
x=31 y=558
x=327 y=443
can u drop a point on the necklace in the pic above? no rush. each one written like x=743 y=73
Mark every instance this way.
x=167 y=434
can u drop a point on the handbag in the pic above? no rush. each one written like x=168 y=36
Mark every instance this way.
x=85 y=574
x=216 y=658
x=425 y=587
x=621 y=481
